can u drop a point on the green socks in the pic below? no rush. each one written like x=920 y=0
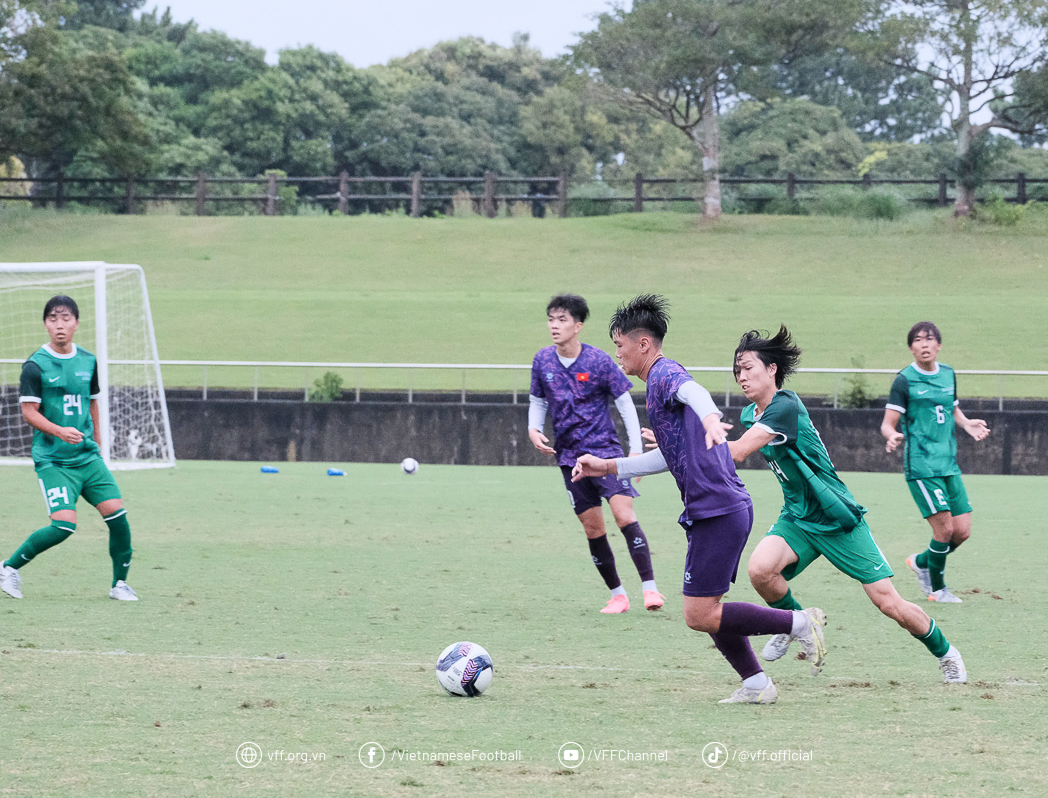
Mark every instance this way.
x=787 y=602
x=119 y=544
x=934 y=559
x=40 y=541
x=935 y=641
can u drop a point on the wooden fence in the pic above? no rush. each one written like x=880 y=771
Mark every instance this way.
x=413 y=192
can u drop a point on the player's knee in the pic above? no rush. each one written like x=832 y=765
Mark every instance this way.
x=960 y=534
x=700 y=621
x=891 y=605
x=760 y=573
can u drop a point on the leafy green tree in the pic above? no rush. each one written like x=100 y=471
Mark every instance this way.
x=61 y=99
x=976 y=52
x=116 y=14
x=680 y=60
x=879 y=102
x=780 y=136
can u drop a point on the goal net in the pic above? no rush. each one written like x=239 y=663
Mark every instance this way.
x=117 y=327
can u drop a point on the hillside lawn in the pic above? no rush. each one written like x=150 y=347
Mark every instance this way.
x=395 y=289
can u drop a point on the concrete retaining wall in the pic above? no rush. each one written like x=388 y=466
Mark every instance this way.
x=496 y=434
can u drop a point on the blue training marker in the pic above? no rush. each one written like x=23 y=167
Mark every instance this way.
x=336 y=472
x=270 y=470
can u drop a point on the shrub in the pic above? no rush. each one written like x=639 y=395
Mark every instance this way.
x=857 y=393
x=589 y=199
x=999 y=212
x=327 y=388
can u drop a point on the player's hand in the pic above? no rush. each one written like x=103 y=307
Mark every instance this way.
x=648 y=436
x=977 y=428
x=893 y=441
x=589 y=466
x=69 y=435
x=540 y=441
x=716 y=431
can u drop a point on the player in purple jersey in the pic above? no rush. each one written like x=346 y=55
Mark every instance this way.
x=718 y=512
x=574 y=382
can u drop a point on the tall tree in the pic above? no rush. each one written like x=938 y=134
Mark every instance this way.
x=974 y=51
x=680 y=60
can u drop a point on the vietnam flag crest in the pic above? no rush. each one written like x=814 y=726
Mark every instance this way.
x=582 y=377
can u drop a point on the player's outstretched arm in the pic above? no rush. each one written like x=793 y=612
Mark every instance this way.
x=752 y=440
x=976 y=427
x=889 y=431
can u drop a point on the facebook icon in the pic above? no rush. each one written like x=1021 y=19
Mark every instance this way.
x=371 y=755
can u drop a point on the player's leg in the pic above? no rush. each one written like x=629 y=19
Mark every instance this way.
x=101 y=490
x=714 y=549
x=61 y=488
x=934 y=499
x=637 y=543
x=586 y=501
x=916 y=621
x=769 y=565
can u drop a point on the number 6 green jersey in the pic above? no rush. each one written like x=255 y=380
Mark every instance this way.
x=926 y=401
x=63 y=386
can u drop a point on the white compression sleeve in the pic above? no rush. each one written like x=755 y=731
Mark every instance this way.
x=628 y=411
x=651 y=462
x=537 y=408
x=698 y=399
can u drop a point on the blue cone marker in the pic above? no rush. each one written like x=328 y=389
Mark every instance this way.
x=270 y=470
x=336 y=472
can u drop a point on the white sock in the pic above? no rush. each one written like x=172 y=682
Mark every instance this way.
x=649 y=584
x=619 y=591
x=756 y=682
x=801 y=622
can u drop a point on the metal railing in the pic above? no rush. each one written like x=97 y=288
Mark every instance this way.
x=310 y=367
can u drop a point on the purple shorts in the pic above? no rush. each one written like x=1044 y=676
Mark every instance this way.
x=588 y=491
x=714 y=549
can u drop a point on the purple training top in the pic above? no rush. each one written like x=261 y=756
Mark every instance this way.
x=578 y=398
x=707 y=480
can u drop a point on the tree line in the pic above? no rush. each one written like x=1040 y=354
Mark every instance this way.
x=752 y=88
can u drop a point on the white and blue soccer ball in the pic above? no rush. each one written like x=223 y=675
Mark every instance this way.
x=465 y=669
x=409 y=465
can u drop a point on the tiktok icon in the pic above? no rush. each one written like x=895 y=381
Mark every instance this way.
x=714 y=755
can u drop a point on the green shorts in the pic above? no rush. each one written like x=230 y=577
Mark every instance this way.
x=940 y=494
x=854 y=553
x=62 y=485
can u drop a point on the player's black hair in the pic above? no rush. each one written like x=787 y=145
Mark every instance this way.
x=923 y=327
x=779 y=350
x=647 y=312
x=61 y=301
x=573 y=303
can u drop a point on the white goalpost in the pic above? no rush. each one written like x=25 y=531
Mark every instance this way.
x=116 y=324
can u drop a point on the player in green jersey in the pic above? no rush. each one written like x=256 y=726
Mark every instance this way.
x=59 y=387
x=820 y=517
x=924 y=397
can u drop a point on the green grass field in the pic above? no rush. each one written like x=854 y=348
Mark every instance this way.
x=393 y=289
x=304 y=613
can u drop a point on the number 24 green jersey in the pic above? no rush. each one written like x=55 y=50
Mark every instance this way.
x=63 y=386
x=925 y=401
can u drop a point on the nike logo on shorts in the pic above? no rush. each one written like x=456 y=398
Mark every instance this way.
x=52 y=379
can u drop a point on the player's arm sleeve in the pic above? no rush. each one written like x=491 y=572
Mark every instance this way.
x=628 y=411
x=779 y=419
x=31 y=385
x=698 y=399
x=537 y=388
x=899 y=396
x=95 y=388
x=651 y=462
x=537 y=407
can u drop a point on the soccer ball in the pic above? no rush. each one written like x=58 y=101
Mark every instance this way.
x=465 y=669
x=409 y=465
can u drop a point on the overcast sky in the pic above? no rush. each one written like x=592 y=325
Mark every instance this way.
x=366 y=33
